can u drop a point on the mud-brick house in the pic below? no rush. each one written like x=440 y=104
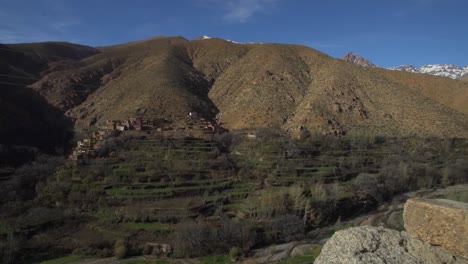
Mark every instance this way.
x=121 y=127
x=84 y=145
x=136 y=123
x=87 y=144
x=147 y=124
x=110 y=125
x=99 y=135
x=251 y=135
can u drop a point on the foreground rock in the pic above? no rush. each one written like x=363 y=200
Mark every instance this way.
x=368 y=244
x=439 y=222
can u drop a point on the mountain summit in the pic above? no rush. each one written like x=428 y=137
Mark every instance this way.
x=356 y=59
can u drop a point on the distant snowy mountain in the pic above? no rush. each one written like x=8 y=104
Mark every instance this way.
x=444 y=70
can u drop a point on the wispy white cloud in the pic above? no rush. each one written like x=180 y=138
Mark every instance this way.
x=240 y=11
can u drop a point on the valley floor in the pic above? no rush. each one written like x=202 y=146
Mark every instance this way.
x=227 y=195
x=388 y=215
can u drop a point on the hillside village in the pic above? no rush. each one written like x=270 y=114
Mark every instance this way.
x=183 y=126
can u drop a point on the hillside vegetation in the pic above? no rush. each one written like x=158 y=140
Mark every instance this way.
x=207 y=196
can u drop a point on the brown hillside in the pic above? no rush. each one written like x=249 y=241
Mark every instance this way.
x=264 y=88
x=453 y=93
x=31 y=59
x=156 y=79
x=253 y=85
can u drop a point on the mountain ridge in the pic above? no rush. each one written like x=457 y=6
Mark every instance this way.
x=443 y=70
x=247 y=86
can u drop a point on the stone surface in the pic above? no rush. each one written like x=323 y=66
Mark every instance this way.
x=395 y=220
x=274 y=253
x=301 y=250
x=366 y=244
x=438 y=222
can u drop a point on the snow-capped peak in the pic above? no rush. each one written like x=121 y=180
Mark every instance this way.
x=444 y=70
x=232 y=41
x=228 y=40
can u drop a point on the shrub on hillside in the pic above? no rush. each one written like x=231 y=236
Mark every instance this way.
x=107 y=148
x=9 y=247
x=368 y=184
x=234 y=253
x=458 y=171
x=393 y=179
x=120 y=249
x=224 y=141
x=233 y=233
x=193 y=239
x=199 y=238
x=26 y=178
x=286 y=228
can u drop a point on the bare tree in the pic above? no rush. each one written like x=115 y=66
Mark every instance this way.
x=8 y=248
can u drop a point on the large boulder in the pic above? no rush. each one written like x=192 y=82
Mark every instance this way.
x=438 y=222
x=367 y=244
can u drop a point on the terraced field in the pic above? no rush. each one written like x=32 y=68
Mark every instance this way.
x=145 y=188
x=192 y=175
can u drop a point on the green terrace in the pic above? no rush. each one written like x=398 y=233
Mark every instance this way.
x=151 y=185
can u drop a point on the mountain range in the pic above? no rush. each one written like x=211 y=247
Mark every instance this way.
x=244 y=85
x=443 y=70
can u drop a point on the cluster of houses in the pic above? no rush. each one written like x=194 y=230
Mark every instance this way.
x=132 y=123
x=88 y=147
x=191 y=125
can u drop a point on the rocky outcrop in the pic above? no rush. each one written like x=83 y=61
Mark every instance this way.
x=438 y=222
x=368 y=244
x=356 y=59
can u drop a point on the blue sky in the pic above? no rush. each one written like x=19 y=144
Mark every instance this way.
x=389 y=33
